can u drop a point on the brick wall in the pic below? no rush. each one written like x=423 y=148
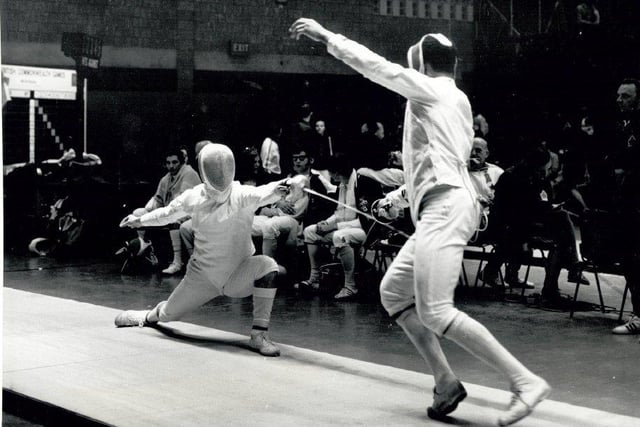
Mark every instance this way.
x=162 y=58
x=135 y=31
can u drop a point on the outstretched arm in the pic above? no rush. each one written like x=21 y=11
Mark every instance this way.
x=160 y=216
x=405 y=81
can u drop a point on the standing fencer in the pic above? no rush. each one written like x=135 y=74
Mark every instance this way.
x=437 y=139
x=223 y=262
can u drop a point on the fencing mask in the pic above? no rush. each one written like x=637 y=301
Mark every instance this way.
x=436 y=49
x=217 y=170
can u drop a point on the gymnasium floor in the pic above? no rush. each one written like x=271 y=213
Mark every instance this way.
x=342 y=361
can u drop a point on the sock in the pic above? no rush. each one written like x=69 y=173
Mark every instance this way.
x=428 y=345
x=262 y=306
x=314 y=273
x=176 y=244
x=472 y=336
x=347 y=259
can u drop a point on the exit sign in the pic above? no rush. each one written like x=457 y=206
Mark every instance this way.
x=238 y=49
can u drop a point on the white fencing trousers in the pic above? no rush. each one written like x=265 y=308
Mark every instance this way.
x=196 y=288
x=272 y=227
x=427 y=268
x=338 y=238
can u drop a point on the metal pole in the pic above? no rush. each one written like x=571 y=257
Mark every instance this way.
x=511 y=17
x=539 y=16
x=84 y=121
x=503 y=17
x=32 y=129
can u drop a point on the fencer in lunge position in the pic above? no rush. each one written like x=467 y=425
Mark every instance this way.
x=222 y=262
x=418 y=288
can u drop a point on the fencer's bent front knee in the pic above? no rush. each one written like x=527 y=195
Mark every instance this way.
x=268 y=281
x=268 y=264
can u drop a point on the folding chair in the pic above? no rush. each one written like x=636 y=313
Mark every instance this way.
x=600 y=252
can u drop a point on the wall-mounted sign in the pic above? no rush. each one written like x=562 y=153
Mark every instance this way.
x=46 y=83
x=238 y=49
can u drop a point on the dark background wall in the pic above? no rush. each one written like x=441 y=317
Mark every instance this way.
x=166 y=77
x=164 y=59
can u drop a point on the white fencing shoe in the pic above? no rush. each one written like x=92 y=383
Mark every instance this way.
x=262 y=344
x=132 y=318
x=173 y=268
x=524 y=399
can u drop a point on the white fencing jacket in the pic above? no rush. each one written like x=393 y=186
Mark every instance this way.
x=222 y=231
x=438 y=123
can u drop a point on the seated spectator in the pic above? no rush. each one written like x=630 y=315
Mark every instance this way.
x=318 y=208
x=587 y=171
x=179 y=178
x=484 y=176
x=523 y=211
x=372 y=187
x=283 y=217
x=342 y=230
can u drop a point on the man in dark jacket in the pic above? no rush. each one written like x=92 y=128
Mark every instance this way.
x=522 y=213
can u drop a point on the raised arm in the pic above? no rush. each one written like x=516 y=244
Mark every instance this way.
x=407 y=82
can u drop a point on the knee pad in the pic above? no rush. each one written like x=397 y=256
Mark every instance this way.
x=267 y=281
